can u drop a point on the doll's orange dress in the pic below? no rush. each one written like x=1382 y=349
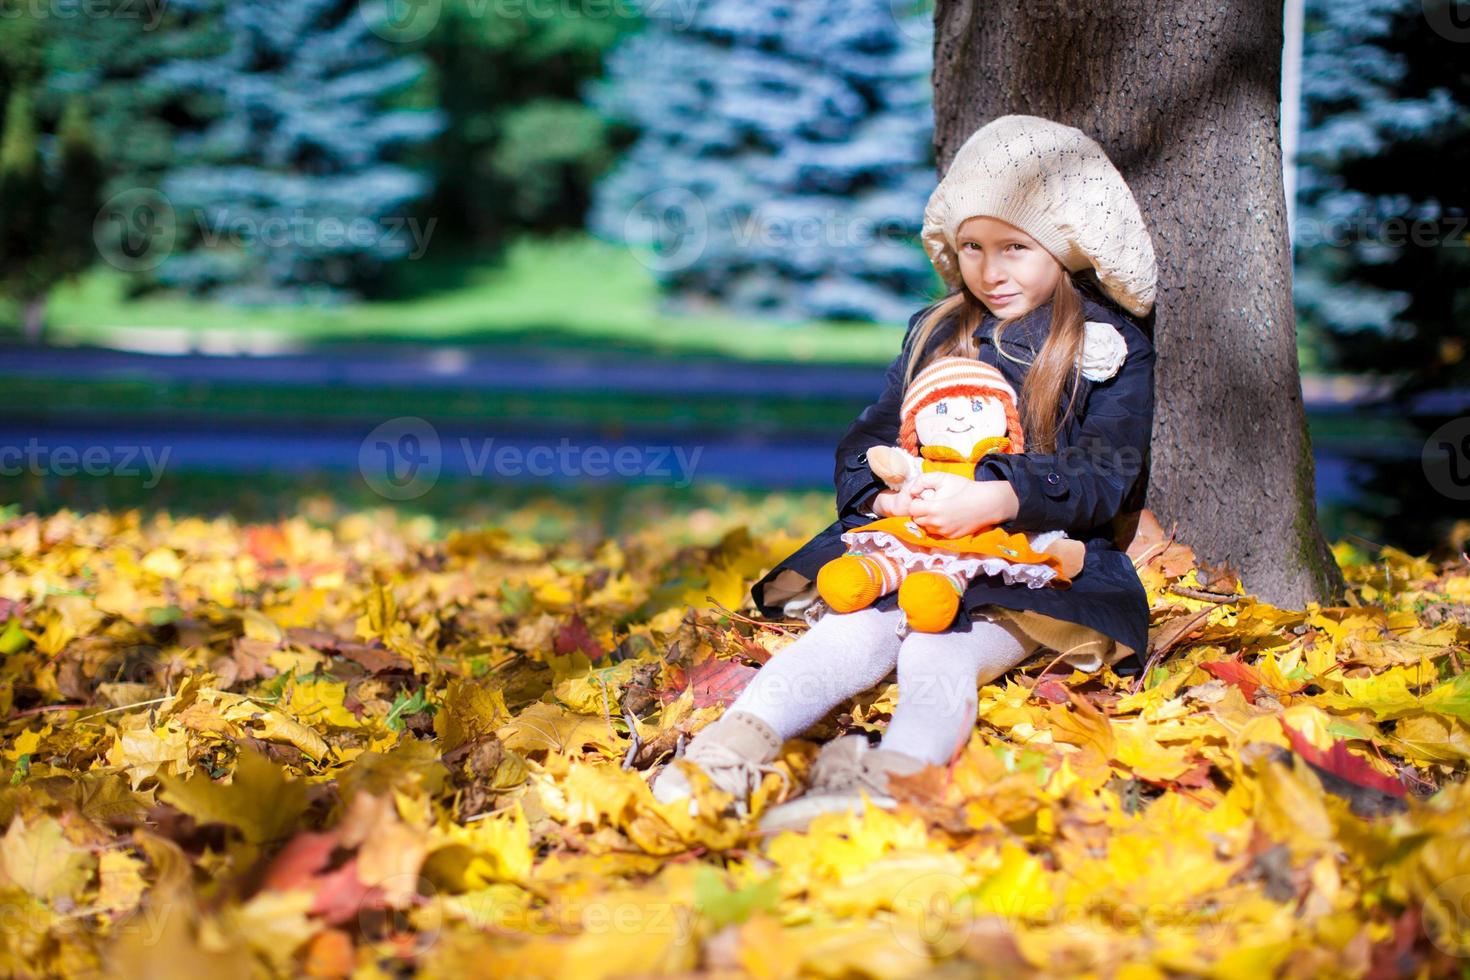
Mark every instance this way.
x=993 y=551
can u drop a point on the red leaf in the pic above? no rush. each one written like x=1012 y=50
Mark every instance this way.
x=753 y=650
x=341 y=895
x=1052 y=691
x=1234 y=672
x=266 y=543
x=373 y=659
x=302 y=857
x=574 y=635
x=676 y=680
x=1344 y=764
x=717 y=681
x=1196 y=778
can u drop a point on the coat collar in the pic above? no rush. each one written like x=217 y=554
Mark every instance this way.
x=1031 y=329
x=1027 y=332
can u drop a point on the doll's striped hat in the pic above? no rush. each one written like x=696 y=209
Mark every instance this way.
x=948 y=376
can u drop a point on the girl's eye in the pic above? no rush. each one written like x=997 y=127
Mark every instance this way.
x=1016 y=245
x=941 y=409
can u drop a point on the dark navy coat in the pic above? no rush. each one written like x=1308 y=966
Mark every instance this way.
x=1098 y=472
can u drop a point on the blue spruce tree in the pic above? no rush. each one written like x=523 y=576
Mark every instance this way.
x=1383 y=267
x=290 y=186
x=1383 y=225
x=784 y=155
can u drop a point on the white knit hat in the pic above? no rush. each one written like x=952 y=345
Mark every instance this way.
x=1058 y=186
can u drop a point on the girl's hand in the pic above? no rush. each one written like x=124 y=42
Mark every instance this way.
x=960 y=506
x=896 y=503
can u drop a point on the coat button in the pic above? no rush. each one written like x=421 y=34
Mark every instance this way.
x=1053 y=486
x=1053 y=479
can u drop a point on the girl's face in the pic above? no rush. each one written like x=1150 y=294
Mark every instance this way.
x=959 y=422
x=1006 y=268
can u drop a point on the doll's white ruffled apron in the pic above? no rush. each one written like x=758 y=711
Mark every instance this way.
x=1016 y=557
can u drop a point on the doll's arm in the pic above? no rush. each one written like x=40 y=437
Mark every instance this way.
x=894 y=466
x=876 y=425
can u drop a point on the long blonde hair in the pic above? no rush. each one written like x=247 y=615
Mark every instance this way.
x=1046 y=381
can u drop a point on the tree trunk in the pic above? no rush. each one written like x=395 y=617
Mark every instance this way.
x=1185 y=99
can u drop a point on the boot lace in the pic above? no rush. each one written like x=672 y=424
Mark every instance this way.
x=732 y=772
x=841 y=770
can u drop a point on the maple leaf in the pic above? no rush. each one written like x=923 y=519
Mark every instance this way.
x=39 y=859
x=260 y=800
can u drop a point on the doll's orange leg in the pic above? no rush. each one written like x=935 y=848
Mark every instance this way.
x=853 y=581
x=930 y=600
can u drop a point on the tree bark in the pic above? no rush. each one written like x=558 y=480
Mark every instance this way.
x=1185 y=99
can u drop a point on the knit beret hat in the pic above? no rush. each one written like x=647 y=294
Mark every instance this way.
x=1058 y=186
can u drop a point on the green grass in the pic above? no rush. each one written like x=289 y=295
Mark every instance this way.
x=572 y=290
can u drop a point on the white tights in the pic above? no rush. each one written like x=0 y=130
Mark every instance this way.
x=844 y=654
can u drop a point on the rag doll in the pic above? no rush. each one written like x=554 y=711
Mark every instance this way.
x=956 y=411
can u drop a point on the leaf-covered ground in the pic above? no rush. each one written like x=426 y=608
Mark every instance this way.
x=367 y=746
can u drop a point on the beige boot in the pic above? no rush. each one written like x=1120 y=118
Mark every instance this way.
x=844 y=769
x=734 y=751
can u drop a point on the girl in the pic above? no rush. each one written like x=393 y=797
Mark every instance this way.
x=1047 y=259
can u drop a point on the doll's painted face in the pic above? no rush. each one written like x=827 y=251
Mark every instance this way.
x=960 y=421
x=1010 y=272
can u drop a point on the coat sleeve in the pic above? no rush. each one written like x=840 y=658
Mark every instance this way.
x=1084 y=485
x=876 y=425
